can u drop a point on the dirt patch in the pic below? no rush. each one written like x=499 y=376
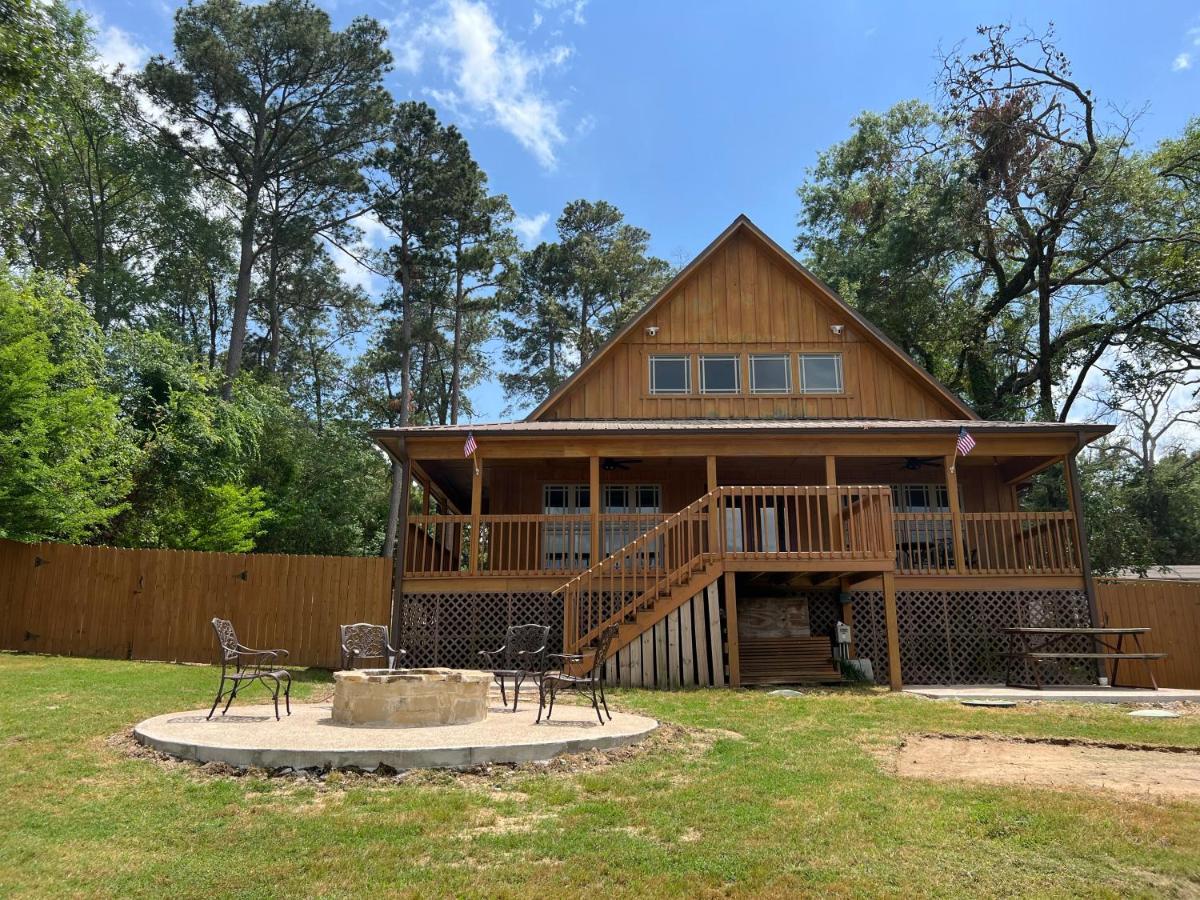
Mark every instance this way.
x=680 y=741
x=1145 y=772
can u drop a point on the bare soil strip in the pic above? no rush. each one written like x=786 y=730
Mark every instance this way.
x=1144 y=772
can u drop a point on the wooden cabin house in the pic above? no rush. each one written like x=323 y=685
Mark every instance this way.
x=745 y=463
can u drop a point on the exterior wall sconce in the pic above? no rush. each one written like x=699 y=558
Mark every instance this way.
x=837 y=329
x=652 y=330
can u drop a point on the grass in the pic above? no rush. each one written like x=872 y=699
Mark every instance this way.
x=788 y=801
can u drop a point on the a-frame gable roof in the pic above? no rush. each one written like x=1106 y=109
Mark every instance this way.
x=824 y=293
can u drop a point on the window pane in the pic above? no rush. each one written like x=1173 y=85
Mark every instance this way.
x=670 y=374
x=556 y=499
x=648 y=499
x=770 y=375
x=616 y=498
x=719 y=374
x=821 y=374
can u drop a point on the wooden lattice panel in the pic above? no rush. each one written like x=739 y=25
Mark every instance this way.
x=957 y=637
x=449 y=629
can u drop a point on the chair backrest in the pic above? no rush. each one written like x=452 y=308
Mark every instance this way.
x=364 y=640
x=528 y=638
x=607 y=636
x=226 y=639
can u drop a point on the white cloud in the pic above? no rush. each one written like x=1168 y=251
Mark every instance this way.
x=1182 y=62
x=116 y=48
x=494 y=76
x=530 y=227
x=572 y=10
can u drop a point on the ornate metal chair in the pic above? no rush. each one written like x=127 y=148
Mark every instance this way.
x=523 y=654
x=365 y=641
x=592 y=682
x=241 y=664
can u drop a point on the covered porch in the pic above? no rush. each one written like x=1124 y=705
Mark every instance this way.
x=535 y=518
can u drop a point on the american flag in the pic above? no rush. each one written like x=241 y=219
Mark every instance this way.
x=470 y=447
x=965 y=443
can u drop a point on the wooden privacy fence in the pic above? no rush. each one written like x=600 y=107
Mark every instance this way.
x=157 y=604
x=1171 y=609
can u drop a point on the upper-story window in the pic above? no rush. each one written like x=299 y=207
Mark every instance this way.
x=670 y=374
x=770 y=374
x=720 y=374
x=820 y=373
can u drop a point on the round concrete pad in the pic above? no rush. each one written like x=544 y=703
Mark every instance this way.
x=250 y=736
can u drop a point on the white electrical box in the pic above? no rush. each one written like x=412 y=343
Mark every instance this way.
x=842 y=631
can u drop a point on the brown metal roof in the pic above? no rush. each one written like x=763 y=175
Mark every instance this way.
x=745 y=426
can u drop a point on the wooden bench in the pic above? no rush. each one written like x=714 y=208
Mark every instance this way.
x=788 y=660
x=1037 y=646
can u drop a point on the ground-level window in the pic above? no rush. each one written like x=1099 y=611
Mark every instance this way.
x=720 y=375
x=568 y=544
x=770 y=374
x=912 y=498
x=670 y=374
x=821 y=373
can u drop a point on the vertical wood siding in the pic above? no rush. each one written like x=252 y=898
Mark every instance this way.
x=742 y=300
x=157 y=604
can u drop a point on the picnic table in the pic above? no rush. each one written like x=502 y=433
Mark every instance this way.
x=1039 y=645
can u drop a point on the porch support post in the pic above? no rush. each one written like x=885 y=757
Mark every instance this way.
x=714 y=533
x=956 y=523
x=476 y=512
x=597 y=539
x=1075 y=500
x=895 y=682
x=835 y=507
x=731 y=626
x=399 y=555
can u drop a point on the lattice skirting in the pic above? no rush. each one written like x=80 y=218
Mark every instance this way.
x=449 y=629
x=957 y=637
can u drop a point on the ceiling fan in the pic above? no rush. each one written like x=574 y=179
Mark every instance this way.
x=913 y=463
x=612 y=464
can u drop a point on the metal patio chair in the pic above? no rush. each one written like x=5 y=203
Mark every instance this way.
x=241 y=665
x=591 y=683
x=363 y=640
x=522 y=655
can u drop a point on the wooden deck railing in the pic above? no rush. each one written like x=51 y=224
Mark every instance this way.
x=776 y=523
x=515 y=545
x=994 y=543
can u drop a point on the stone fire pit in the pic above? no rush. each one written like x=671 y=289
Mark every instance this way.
x=410 y=698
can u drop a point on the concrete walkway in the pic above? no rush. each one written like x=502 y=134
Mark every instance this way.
x=1080 y=694
x=250 y=736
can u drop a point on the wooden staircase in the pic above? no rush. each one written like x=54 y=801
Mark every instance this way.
x=641 y=583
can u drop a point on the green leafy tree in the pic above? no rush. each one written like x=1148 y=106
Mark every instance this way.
x=271 y=102
x=570 y=295
x=1008 y=231
x=191 y=488
x=65 y=459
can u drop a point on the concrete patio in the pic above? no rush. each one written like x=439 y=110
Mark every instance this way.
x=251 y=736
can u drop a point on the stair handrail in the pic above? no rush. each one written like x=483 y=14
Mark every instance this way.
x=608 y=560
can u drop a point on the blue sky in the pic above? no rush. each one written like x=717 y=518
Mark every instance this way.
x=685 y=114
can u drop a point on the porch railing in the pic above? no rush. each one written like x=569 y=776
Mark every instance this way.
x=514 y=545
x=993 y=543
x=759 y=523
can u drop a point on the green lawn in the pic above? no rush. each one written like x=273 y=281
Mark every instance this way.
x=787 y=800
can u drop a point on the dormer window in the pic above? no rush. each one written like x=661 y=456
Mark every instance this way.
x=720 y=375
x=820 y=373
x=670 y=374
